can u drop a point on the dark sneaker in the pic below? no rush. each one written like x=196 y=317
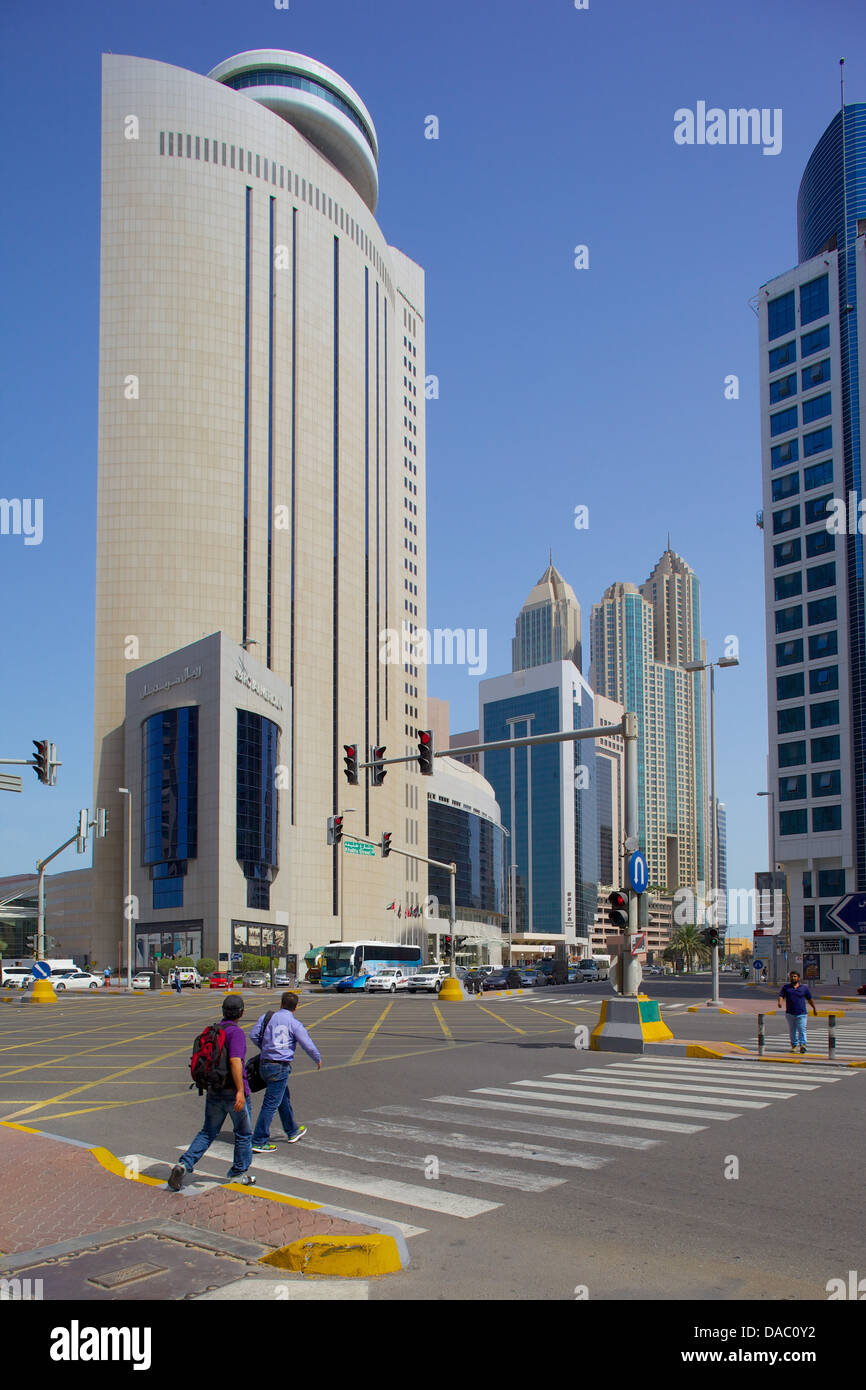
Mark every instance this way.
x=176 y=1177
x=298 y=1134
x=246 y=1179
x=802 y=1048
x=266 y=1148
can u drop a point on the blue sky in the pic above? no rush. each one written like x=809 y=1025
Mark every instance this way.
x=558 y=387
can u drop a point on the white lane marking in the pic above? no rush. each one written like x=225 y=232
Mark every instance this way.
x=404 y=1194
x=289 y=1290
x=514 y=1125
x=626 y=1088
x=708 y=1088
x=736 y=1074
x=467 y=1172
x=610 y=1104
x=769 y=1085
x=739 y=1066
x=525 y=1152
x=622 y=1122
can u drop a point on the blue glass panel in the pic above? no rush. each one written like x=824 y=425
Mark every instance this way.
x=783 y=420
x=814 y=299
x=816 y=340
x=789 y=452
x=816 y=474
x=780 y=315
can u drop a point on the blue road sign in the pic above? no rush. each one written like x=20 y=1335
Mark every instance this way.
x=42 y=970
x=638 y=872
x=849 y=913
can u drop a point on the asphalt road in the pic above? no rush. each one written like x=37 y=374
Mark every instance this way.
x=519 y=1166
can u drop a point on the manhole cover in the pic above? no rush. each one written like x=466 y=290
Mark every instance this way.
x=127 y=1275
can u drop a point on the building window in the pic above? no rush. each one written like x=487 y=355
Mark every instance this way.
x=790 y=721
x=822 y=610
x=807 y=884
x=818 y=441
x=816 y=508
x=827 y=784
x=831 y=883
x=787 y=553
x=780 y=315
x=821 y=576
x=792 y=822
x=825 y=750
x=816 y=340
x=788 y=486
x=168 y=885
x=814 y=299
x=257 y=822
x=783 y=388
x=789 y=619
x=789 y=653
x=823 y=644
x=808 y=919
x=792 y=754
x=826 y=818
x=789 y=452
x=783 y=420
x=782 y=356
x=170 y=785
x=788 y=519
x=816 y=407
x=819 y=543
x=823 y=678
x=816 y=374
x=817 y=474
x=792 y=788
x=790 y=687
x=822 y=715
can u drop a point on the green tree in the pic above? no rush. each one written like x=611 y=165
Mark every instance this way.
x=688 y=942
x=206 y=966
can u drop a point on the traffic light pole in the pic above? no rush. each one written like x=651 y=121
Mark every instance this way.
x=452 y=909
x=41 y=866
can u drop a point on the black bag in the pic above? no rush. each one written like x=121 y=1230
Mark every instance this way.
x=255 y=1080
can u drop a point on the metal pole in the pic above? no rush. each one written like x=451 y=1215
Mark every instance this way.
x=630 y=817
x=831 y=1037
x=342 y=860
x=129 y=893
x=760 y=1035
x=713 y=827
x=40 y=921
x=452 y=916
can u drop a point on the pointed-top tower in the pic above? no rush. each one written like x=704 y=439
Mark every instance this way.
x=548 y=624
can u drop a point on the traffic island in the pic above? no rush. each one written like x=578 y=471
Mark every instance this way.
x=451 y=991
x=629 y=1025
x=361 y=1258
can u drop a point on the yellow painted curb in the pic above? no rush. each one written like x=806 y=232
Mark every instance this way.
x=702 y=1050
x=112 y=1164
x=348 y=1257
x=269 y=1196
x=25 y=1129
x=717 y=1008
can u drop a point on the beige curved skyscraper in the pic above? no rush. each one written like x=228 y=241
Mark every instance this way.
x=261 y=475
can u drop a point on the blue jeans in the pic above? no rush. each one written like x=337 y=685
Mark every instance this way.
x=797 y=1029
x=217 y=1105
x=276 y=1097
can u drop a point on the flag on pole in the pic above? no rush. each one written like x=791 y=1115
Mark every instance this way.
x=391 y=906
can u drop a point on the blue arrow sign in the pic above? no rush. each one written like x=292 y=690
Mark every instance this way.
x=638 y=872
x=849 y=913
x=42 y=970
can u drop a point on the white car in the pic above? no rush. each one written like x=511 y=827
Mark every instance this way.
x=429 y=978
x=389 y=980
x=141 y=980
x=17 y=977
x=76 y=979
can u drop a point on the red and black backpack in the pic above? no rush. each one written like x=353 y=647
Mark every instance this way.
x=209 y=1063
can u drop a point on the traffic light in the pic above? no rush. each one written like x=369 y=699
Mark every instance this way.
x=101 y=824
x=618 y=914
x=386 y=843
x=42 y=756
x=377 y=772
x=425 y=752
x=335 y=829
x=448 y=945
x=351 y=759
x=83 y=818
x=710 y=936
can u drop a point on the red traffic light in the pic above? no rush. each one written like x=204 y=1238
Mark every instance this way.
x=618 y=914
x=386 y=843
x=351 y=760
x=425 y=752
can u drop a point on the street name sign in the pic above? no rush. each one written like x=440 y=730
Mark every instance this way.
x=849 y=913
x=359 y=847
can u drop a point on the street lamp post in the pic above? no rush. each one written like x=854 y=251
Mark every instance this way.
x=350 y=812
x=714 y=875
x=772 y=796
x=509 y=892
x=128 y=905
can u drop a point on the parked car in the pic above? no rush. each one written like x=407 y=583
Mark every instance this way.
x=652 y=970
x=189 y=977
x=76 y=980
x=284 y=977
x=222 y=980
x=17 y=977
x=428 y=979
x=502 y=979
x=389 y=980
x=527 y=977
x=142 y=979
x=256 y=979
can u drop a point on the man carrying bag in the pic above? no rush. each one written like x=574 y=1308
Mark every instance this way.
x=277 y=1035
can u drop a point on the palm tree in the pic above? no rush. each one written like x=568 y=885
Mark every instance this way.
x=687 y=941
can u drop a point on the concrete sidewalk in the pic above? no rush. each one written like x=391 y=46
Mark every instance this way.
x=66 y=1204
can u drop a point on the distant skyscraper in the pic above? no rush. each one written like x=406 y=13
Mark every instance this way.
x=722 y=860
x=641 y=640
x=548 y=625
x=812 y=384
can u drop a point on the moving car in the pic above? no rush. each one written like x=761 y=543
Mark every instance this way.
x=76 y=980
x=284 y=977
x=256 y=979
x=222 y=980
x=589 y=971
x=390 y=980
x=428 y=979
x=502 y=979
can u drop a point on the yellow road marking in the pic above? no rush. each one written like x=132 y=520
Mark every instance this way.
x=445 y=1029
x=512 y=1026
x=88 y=1085
x=110 y=1105
x=359 y=1052
x=313 y=1023
x=550 y=1015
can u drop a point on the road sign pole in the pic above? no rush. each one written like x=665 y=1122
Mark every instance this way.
x=630 y=975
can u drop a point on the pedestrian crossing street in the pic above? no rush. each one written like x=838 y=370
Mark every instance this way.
x=850 y=1037
x=529 y=1135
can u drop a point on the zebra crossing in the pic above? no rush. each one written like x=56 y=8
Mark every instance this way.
x=530 y=1135
x=850 y=1037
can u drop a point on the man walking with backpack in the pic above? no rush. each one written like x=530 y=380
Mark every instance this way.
x=217 y=1068
x=276 y=1035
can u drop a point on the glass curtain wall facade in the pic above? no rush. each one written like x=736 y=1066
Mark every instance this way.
x=477 y=847
x=170 y=800
x=257 y=804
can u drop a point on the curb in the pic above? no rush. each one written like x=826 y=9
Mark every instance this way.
x=348 y=1257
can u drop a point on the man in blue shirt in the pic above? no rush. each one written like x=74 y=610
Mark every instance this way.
x=795 y=996
x=277 y=1042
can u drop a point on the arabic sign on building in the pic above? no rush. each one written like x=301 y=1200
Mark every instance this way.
x=189 y=673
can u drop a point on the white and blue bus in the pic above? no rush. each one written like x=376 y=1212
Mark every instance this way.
x=349 y=964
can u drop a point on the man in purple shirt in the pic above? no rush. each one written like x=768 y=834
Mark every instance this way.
x=234 y=1100
x=795 y=996
x=277 y=1040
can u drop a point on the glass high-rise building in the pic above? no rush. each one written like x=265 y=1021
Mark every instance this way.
x=261 y=476
x=812 y=320
x=548 y=625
